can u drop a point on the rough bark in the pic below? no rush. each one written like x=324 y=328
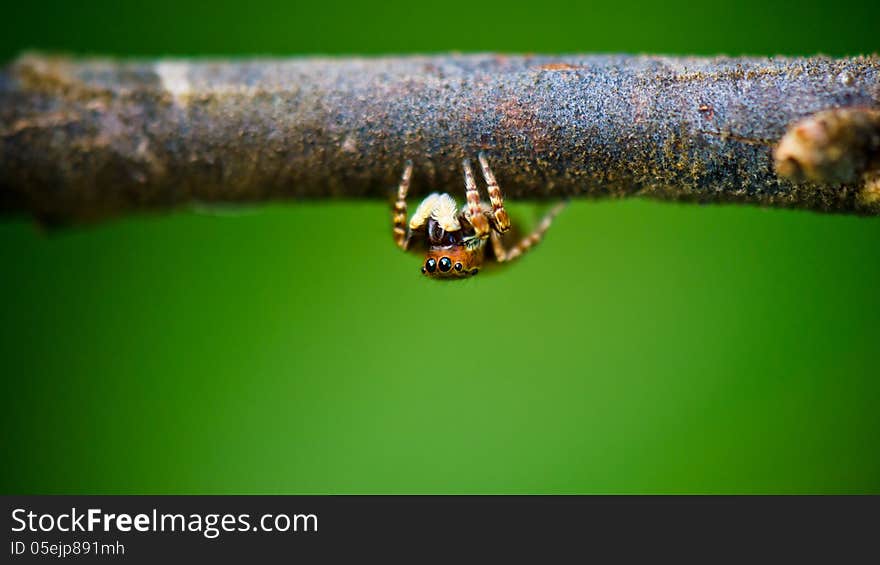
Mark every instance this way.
x=86 y=139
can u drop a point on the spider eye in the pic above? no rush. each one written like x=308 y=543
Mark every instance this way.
x=445 y=264
x=458 y=266
x=431 y=265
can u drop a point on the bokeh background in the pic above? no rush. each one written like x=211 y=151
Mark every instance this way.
x=643 y=348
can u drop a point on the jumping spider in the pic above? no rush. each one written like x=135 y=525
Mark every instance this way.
x=456 y=239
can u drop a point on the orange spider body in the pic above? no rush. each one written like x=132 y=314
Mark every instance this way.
x=456 y=238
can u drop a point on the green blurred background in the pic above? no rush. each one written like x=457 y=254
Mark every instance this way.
x=643 y=348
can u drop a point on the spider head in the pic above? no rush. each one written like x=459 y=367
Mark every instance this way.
x=451 y=262
x=448 y=255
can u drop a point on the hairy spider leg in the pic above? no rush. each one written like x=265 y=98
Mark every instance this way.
x=527 y=242
x=474 y=206
x=401 y=234
x=499 y=214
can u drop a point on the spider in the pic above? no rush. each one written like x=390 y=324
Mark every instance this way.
x=456 y=239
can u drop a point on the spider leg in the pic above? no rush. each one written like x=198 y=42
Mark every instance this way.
x=500 y=218
x=474 y=207
x=498 y=247
x=401 y=234
x=526 y=243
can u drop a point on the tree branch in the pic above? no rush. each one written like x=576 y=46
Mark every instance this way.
x=86 y=139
